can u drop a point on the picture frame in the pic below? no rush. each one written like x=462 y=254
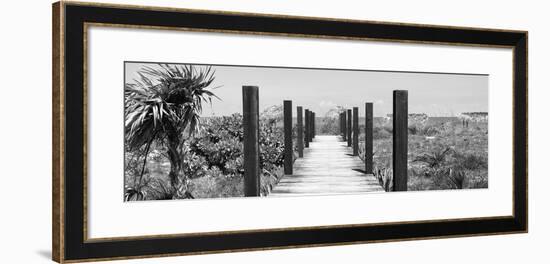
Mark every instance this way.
x=70 y=135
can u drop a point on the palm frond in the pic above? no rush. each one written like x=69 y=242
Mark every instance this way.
x=166 y=97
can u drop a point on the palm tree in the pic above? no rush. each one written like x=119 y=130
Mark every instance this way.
x=163 y=106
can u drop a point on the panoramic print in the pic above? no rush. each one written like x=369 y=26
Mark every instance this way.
x=195 y=131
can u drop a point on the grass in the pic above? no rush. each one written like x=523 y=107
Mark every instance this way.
x=217 y=185
x=212 y=183
x=441 y=155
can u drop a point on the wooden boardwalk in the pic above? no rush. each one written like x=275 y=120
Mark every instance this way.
x=327 y=168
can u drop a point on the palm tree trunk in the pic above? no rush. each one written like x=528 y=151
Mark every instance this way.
x=145 y=157
x=178 y=180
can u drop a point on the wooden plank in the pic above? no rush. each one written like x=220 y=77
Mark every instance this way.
x=368 y=137
x=355 y=139
x=251 y=146
x=327 y=168
x=287 y=126
x=400 y=134
x=349 y=128
x=300 y=132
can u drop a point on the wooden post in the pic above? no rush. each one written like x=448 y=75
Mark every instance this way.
x=306 y=128
x=313 y=129
x=341 y=124
x=344 y=126
x=355 y=131
x=300 y=132
x=251 y=145
x=368 y=138
x=400 y=134
x=349 y=128
x=289 y=152
x=310 y=127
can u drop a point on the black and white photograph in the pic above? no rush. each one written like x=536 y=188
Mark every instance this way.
x=197 y=131
x=272 y=132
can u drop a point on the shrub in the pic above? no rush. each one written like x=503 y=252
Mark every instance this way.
x=329 y=124
x=470 y=161
x=383 y=132
x=149 y=189
x=133 y=167
x=413 y=130
x=429 y=131
x=215 y=155
x=384 y=176
x=456 y=158
x=217 y=185
x=478 y=181
x=456 y=178
x=434 y=159
x=271 y=146
x=193 y=164
x=218 y=143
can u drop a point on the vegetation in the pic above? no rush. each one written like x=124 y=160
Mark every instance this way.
x=159 y=108
x=330 y=123
x=173 y=153
x=442 y=154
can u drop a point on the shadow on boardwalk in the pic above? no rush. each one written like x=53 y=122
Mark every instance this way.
x=328 y=167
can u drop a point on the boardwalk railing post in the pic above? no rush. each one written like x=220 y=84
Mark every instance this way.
x=313 y=131
x=300 y=132
x=400 y=133
x=355 y=131
x=368 y=138
x=344 y=126
x=340 y=123
x=306 y=128
x=251 y=145
x=349 y=128
x=310 y=127
x=289 y=152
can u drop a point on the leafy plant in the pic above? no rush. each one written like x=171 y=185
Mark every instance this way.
x=161 y=106
x=134 y=194
x=149 y=189
x=385 y=177
x=435 y=158
x=456 y=178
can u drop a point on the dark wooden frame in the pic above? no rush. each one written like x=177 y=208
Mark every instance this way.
x=69 y=134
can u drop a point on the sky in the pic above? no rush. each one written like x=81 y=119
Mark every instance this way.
x=320 y=90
